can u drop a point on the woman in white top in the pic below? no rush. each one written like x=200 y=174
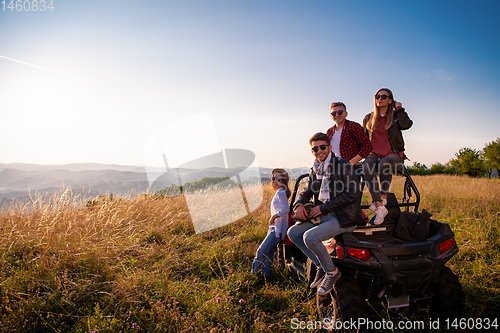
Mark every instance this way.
x=278 y=223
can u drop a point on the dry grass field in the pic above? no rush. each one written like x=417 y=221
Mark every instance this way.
x=136 y=265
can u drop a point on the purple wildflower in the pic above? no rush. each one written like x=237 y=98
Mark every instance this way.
x=219 y=299
x=241 y=301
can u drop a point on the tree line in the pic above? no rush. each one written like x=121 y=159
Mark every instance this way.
x=204 y=183
x=467 y=161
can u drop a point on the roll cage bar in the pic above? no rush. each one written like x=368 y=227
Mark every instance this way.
x=409 y=190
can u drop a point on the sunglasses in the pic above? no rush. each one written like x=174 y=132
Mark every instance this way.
x=316 y=148
x=278 y=178
x=383 y=97
x=334 y=113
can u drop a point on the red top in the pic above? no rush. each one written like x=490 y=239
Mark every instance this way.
x=380 y=139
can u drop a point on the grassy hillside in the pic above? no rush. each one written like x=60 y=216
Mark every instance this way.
x=136 y=265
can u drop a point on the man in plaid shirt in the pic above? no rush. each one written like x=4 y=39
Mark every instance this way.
x=348 y=139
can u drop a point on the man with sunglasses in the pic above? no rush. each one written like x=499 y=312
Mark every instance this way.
x=347 y=138
x=334 y=188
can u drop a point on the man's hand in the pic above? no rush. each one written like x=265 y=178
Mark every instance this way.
x=273 y=219
x=315 y=212
x=398 y=105
x=300 y=212
x=355 y=159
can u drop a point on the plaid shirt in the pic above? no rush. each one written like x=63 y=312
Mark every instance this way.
x=353 y=140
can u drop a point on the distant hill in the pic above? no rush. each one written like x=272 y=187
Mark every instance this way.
x=18 y=180
x=71 y=167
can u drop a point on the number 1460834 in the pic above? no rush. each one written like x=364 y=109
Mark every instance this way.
x=27 y=5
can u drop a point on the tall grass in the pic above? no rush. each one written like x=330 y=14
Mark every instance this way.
x=128 y=265
x=136 y=265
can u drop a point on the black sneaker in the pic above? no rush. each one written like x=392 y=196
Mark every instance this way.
x=320 y=274
x=328 y=283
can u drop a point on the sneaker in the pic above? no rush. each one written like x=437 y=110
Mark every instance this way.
x=320 y=274
x=380 y=213
x=373 y=206
x=329 y=282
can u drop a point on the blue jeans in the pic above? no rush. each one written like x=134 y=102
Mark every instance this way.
x=309 y=237
x=265 y=253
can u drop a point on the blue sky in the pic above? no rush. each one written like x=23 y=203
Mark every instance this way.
x=109 y=74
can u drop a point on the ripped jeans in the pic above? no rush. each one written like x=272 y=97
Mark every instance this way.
x=386 y=167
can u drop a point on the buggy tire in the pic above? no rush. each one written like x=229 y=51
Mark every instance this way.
x=343 y=303
x=310 y=273
x=449 y=297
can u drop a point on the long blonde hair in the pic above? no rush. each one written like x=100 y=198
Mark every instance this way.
x=372 y=124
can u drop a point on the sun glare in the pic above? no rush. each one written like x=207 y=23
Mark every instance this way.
x=45 y=114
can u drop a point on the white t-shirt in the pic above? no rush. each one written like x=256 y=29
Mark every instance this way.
x=279 y=205
x=335 y=142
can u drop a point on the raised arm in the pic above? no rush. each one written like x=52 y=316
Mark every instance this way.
x=404 y=122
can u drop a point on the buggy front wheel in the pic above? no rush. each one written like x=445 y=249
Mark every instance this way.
x=448 y=296
x=279 y=254
x=343 y=303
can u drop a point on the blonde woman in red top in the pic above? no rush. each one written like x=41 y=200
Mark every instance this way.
x=383 y=127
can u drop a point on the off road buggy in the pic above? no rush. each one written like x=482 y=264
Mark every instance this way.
x=402 y=276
